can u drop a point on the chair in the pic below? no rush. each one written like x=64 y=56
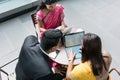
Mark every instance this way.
x=10 y=76
x=33 y=16
x=114 y=69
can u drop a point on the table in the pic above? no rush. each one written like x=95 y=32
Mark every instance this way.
x=62 y=57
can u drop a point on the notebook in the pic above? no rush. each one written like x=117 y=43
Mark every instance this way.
x=72 y=41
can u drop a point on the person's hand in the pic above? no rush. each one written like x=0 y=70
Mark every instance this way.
x=62 y=27
x=42 y=30
x=71 y=55
x=61 y=70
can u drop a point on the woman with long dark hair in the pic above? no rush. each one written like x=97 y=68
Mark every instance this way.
x=94 y=62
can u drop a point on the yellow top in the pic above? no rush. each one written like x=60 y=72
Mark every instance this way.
x=82 y=72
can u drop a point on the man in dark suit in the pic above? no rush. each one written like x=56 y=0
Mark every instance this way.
x=34 y=62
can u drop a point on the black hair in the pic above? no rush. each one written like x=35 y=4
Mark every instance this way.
x=50 y=38
x=92 y=50
x=43 y=2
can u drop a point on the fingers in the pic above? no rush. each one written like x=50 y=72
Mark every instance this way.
x=62 y=70
x=62 y=27
x=71 y=54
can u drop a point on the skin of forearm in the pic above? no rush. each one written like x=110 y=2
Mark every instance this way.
x=42 y=29
x=70 y=67
x=63 y=23
x=40 y=26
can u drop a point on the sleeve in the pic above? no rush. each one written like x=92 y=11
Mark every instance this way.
x=55 y=76
x=62 y=12
x=62 y=16
x=82 y=72
x=60 y=7
x=107 y=58
x=30 y=41
x=39 y=15
x=31 y=60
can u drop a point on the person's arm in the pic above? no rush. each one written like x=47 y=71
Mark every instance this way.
x=69 y=69
x=63 y=24
x=30 y=41
x=59 y=74
x=107 y=58
x=40 y=24
x=51 y=76
x=70 y=63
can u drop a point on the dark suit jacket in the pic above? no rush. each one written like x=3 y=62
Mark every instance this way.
x=33 y=64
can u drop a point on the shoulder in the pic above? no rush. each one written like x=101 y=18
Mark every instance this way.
x=82 y=71
x=106 y=54
x=39 y=13
x=59 y=6
x=85 y=66
x=29 y=48
x=30 y=41
x=107 y=58
x=82 y=68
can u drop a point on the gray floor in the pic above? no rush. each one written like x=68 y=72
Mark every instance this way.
x=97 y=16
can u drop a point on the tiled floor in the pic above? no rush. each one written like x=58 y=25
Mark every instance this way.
x=97 y=16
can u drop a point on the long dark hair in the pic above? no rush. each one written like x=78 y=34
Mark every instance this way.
x=92 y=50
x=43 y=2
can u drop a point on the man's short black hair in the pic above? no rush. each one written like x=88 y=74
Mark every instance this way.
x=50 y=38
